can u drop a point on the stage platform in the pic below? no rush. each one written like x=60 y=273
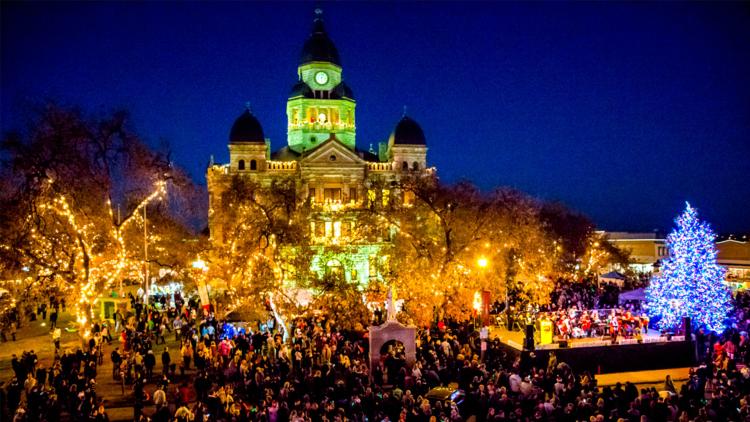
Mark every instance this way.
x=514 y=339
x=599 y=355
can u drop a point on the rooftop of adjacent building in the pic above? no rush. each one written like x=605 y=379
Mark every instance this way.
x=633 y=236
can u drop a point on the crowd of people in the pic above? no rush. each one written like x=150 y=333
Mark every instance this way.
x=39 y=393
x=217 y=372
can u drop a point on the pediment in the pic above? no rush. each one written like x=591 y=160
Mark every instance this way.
x=332 y=152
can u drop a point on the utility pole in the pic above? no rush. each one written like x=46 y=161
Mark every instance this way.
x=145 y=251
x=120 y=292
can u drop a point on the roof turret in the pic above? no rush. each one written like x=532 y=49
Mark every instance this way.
x=319 y=47
x=246 y=128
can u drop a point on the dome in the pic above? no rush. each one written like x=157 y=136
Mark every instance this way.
x=342 y=90
x=319 y=48
x=408 y=132
x=247 y=128
x=300 y=89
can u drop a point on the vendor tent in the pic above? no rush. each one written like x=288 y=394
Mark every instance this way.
x=612 y=277
x=637 y=294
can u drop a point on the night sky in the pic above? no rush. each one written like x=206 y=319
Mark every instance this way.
x=622 y=111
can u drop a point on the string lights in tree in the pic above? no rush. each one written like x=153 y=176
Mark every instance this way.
x=691 y=283
x=84 y=269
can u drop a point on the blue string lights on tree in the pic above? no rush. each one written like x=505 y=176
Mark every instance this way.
x=691 y=283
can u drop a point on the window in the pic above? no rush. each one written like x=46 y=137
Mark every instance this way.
x=336 y=229
x=329 y=228
x=332 y=194
x=386 y=196
x=346 y=229
x=334 y=268
x=253 y=165
x=415 y=166
x=352 y=195
x=405 y=166
x=332 y=157
x=241 y=165
x=311 y=194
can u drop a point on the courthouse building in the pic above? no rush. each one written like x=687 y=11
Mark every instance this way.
x=322 y=155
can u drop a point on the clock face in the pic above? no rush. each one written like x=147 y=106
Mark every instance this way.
x=321 y=78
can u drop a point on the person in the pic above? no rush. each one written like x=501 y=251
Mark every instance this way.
x=187 y=354
x=118 y=320
x=161 y=331
x=56 y=334
x=166 y=359
x=669 y=385
x=53 y=318
x=116 y=361
x=183 y=414
x=162 y=407
x=13 y=330
x=614 y=326
x=149 y=361
x=177 y=325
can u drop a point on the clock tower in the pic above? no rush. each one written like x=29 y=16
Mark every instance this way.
x=320 y=105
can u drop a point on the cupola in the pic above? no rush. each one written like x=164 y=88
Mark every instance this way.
x=407 y=132
x=319 y=47
x=246 y=129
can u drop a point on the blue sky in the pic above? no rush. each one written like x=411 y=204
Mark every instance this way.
x=621 y=110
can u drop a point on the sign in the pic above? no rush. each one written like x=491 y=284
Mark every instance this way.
x=484 y=333
x=545 y=326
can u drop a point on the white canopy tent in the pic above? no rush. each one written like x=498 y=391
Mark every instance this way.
x=612 y=277
x=637 y=294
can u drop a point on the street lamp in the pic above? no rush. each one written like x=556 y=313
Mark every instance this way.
x=482 y=263
x=477 y=304
x=200 y=265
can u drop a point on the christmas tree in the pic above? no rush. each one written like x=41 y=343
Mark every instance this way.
x=691 y=283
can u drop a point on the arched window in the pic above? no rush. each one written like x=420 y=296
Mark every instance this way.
x=254 y=165
x=404 y=166
x=415 y=166
x=241 y=165
x=334 y=269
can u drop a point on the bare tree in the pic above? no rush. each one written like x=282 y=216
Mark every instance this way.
x=73 y=215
